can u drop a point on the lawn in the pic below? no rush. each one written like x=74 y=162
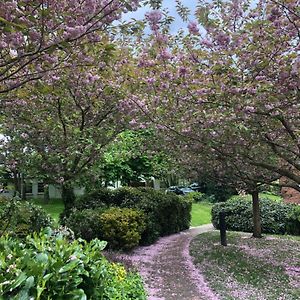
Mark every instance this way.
x=54 y=207
x=248 y=268
x=201 y=213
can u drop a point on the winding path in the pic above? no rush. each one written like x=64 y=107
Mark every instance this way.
x=167 y=268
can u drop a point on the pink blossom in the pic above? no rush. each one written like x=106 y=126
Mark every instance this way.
x=193 y=28
x=153 y=16
x=207 y=43
x=165 y=54
x=223 y=39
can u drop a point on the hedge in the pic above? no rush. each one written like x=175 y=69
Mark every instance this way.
x=164 y=213
x=276 y=217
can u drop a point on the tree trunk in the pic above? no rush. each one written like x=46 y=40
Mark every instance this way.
x=16 y=178
x=256 y=215
x=46 y=193
x=23 y=187
x=68 y=197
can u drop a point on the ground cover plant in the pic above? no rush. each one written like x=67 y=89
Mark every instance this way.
x=48 y=266
x=248 y=268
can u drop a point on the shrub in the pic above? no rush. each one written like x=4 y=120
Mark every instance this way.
x=85 y=223
x=19 y=218
x=122 y=227
x=51 y=267
x=293 y=222
x=221 y=192
x=274 y=215
x=126 y=196
x=164 y=213
x=200 y=197
x=101 y=197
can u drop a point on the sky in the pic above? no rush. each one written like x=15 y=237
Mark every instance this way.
x=171 y=6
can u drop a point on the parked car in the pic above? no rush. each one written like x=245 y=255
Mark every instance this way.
x=179 y=190
x=174 y=189
x=195 y=187
x=186 y=190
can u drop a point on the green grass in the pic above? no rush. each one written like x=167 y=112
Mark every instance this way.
x=271 y=196
x=201 y=213
x=249 y=268
x=54 y=207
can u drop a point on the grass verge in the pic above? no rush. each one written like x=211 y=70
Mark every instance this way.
x=248 y=268
x=201 y=213
x=54 y=207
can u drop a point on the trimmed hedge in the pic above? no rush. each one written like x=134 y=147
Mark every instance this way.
x=47 y=266
x=20 y=218
x=275 y=216
x=122 y=227
x=164 y=213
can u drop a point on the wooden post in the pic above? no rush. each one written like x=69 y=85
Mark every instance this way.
x=223 y=228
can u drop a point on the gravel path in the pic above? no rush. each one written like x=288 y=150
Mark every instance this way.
x=167 y=269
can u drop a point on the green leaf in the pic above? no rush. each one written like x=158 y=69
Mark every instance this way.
x=18 y=281
x=78 y=294
x=70 y=266
x=2 y=20
x=42 y=258
x=29 y=283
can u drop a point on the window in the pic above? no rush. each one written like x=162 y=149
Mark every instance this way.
x=40 y=187
x=28 y=187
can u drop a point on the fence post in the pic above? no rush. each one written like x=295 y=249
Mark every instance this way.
x=223 y=228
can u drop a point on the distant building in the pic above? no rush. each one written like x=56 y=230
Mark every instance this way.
x=35 y=189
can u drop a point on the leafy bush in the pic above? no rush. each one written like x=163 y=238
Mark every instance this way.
x=274 y=215
x=19 y=218
x=95 y=199
x=164 y=213
x=126 y=196
x=293 y=222
x=200 y=197
x=220 y=192
x=122 y=227
x=51 y=267
x=85 y=223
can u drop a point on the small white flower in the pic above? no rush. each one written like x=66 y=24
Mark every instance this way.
x=11 y=267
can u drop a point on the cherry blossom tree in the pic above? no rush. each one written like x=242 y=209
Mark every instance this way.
x=65 y=122
x=231 y=86
x=42 y=35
